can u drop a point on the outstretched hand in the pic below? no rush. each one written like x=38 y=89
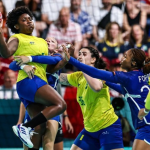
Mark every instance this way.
x=21 y=60
x=66 y=53
x=71 y=49
x=142 y=114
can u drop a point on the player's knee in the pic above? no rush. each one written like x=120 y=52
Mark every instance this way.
x=62 y=106
x=48 y=145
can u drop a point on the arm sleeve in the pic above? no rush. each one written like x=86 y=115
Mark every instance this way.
x=46 y=59
x=93 y=72
x=13 y=66
x=116 y=77
x=147 y=104
x=114 y=86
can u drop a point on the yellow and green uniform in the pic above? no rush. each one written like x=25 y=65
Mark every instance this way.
x=97 y=111
x=147 y=104
x=31 y=46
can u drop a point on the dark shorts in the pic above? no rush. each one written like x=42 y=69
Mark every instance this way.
x=106 y=139
x=144 y=134
x=27 y=88
x=59 y=136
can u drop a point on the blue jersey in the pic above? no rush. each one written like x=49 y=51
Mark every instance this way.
x=134 y=86
x=53 y=79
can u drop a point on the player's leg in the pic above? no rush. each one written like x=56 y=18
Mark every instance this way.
x=142 y=139
x=50 y=135
x=111 y=137
x=58 y=144
x=86 y=140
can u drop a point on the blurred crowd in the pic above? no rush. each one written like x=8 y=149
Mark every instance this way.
x=111 y=26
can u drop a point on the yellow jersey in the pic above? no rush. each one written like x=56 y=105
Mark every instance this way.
x=97 y=111
x=31 y=46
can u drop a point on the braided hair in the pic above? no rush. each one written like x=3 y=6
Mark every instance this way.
x=139 y=57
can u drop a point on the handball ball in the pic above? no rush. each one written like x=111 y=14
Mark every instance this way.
x=1 y=17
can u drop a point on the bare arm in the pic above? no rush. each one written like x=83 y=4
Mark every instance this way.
x=77 y=48
x=95 y=33
x=58 y=66
x=126 y=25
x=7 y=50
x=63 y=79
x=21 y=113
x=95 y=84
x=143 y=19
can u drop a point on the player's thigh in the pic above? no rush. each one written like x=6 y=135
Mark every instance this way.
x=75 y=147
x=46 y=95
x=140 y=145
x=58 y=146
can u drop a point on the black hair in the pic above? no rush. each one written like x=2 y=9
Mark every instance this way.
x=13 y=16
x=99 y=63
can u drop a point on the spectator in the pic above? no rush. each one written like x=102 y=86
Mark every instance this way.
x=83 y=19
x=103 y=16
x=35 y=8
x=133 y=15
x=64 y=30
x=4 y=66
x=51 y=8
x=89 y=6
x=111 y=47
x=138 y=39
x=8 y=89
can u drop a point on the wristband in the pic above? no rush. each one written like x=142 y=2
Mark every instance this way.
x=65 y=116
x=22 y=66
x=30 y=58
x=146 y=112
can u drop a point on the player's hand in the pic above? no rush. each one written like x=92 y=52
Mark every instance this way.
x=29 y=70
x=142 y=114
x=71 y=49
x=21 y=60
x=66 y=54
x=68 y=125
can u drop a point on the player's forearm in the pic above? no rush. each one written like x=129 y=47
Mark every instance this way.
x=147 y=104
x=58 y=66
x=92 y=71
x=46 y=59
x=114 y=86
x=95 y=84
x=13 y=66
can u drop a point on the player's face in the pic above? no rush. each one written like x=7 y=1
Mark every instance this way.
x=126 y=61
x=52 y=44
x=87 y=57
x=25 y=24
